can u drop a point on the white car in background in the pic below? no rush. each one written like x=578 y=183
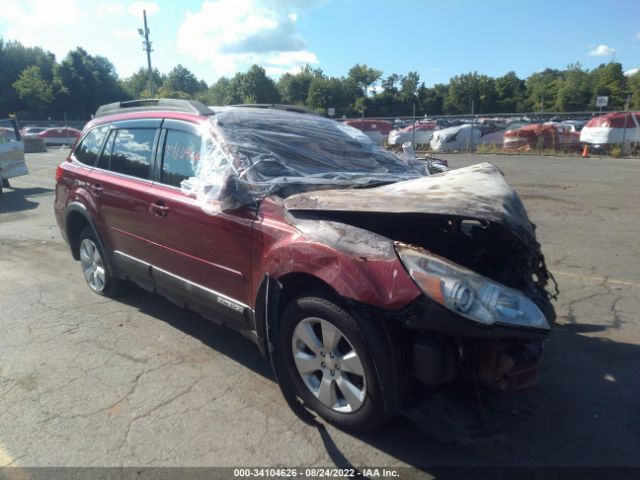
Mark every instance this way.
x=12 y=162
x=422 y=132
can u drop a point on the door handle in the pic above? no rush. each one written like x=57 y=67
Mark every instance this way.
x=96 y=189
x=159 y=209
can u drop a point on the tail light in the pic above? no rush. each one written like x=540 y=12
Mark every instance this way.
x=59 y=171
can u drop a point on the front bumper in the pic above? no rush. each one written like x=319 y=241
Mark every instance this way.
x=446 y=347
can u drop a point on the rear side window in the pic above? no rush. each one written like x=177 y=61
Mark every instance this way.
x=87 y=150
x=132 y=151
x=180 y=156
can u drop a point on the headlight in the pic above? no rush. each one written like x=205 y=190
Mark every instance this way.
x=468 y=293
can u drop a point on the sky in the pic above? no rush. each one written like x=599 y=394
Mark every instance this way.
x=438 y=39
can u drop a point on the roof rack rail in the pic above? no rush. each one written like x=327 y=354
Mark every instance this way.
x=278 y=106
x=154 y=104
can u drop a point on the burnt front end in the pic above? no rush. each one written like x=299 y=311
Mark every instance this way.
x=465 y=240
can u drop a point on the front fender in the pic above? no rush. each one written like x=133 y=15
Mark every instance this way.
x=358 y=264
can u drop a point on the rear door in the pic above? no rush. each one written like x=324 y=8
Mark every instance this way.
x=120 y=187
x=205 y=257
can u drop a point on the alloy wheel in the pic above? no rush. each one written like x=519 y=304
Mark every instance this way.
x=92 y=265
x=329 y=365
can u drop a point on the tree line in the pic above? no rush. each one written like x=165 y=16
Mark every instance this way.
x=34 y=85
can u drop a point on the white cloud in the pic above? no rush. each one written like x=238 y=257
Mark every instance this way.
x=36 y=14
x=110 y=8
x=637 y=36
x=231 y=35
x=126 y=34
x=602 y=51
x=633 y=71
x=136 y=8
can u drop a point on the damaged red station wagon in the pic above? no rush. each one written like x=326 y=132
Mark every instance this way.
x=359 y=274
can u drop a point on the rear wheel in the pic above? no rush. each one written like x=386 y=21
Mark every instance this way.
x=95 y=267
x=331 y=363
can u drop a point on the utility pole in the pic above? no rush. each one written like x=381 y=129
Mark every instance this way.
x=147 y=47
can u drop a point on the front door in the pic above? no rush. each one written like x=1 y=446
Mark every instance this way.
x=206 y=256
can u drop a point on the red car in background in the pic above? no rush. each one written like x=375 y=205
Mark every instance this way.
x=376 y=130
x=553 y=136
x=57 y=135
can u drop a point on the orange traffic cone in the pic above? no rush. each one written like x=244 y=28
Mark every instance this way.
x=585 y=151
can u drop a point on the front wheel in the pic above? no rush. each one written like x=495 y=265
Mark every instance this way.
x=332 y=364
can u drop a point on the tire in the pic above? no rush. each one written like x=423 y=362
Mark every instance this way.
x=95 y=266
x=331 y=364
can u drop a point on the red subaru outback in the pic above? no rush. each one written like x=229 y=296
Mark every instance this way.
x=359 y=274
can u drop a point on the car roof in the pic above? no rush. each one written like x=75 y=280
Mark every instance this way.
x=115 y=112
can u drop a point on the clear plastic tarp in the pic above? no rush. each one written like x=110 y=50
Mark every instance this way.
x=249 y=153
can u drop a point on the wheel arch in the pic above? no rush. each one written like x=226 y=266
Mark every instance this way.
x=273 y=295
x=76 y=219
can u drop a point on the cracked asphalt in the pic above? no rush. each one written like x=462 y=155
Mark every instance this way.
x=87 y=381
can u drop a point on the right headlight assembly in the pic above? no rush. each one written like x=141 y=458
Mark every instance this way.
x=468 y=293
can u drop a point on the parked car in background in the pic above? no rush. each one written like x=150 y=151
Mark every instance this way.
x=577 y=125
x=31 y=130
x=58 y=135
x=607 y=130
x=449 y=139
x=423 y=132
x=376 y=130
x=460 y=137
x=12 y=163
x=553 y=136
x=358 y=274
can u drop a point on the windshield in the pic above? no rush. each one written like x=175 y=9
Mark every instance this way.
x=254 y=152
x=273 y=143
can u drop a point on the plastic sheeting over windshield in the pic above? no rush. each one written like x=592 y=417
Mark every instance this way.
x=249 y=153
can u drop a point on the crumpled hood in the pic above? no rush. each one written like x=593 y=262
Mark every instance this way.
x=478 y=192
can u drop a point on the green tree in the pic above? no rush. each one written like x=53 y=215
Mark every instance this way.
x=364 y=77
x=82 y=83
x=510 y=93
x=634 y=89
x=409 y=85
x=542 y=89
x=609 y=80
x=294 y=88
x=14 y=59
x=181 y=83
x=36 y=92
x=574 y=90
x=137 y=85
x=254 y=86
x=471 y=87
x=218 y=93
x=431 y=100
